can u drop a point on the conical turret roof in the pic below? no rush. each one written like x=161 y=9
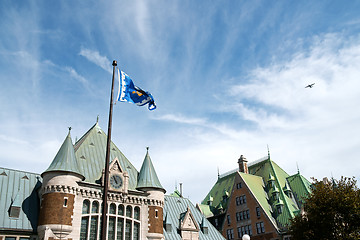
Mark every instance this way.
x=147 y=176
x=65 y=159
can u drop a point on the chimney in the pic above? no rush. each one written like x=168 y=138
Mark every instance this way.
x=181 y=194
x=243 y=164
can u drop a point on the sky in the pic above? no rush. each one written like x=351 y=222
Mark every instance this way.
x=228 y=79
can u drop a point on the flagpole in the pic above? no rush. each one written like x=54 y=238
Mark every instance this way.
x=107 y=160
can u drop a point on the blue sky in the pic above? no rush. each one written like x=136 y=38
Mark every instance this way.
x=228 y=78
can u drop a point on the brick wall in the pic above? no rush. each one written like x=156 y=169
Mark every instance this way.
x=155 y=222
x=53 y=211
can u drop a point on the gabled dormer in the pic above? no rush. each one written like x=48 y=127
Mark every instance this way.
x=189 y=228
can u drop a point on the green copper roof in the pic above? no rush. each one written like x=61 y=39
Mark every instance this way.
x=300 y=186
x=264 y=173
x=19 y=189
x=256 y=187
x=147 y=177
x=218 y=192
x=268 y=169
x=174 y=209
x=90 y=151
x=65 y=159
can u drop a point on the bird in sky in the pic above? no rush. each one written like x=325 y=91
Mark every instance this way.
x=310 y=85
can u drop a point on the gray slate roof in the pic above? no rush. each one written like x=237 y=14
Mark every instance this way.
x=174 y=208
x=147 y=177
x=65 y=159
x=90 y=151
x=19 y=189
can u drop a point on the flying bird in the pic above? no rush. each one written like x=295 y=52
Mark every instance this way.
x=310 y=85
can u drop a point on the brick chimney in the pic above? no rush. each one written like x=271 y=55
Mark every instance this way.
x=243 y=164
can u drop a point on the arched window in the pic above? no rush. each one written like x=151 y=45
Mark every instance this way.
x=128 y=211
x=121 y=210
x=137 y=213
x=86 y=207
x=123 y=221
x=112 y=209
x=95 y=207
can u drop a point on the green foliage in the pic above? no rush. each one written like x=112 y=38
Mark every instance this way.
x=332 y=211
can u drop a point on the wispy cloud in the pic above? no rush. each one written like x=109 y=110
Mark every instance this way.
x=96 y=58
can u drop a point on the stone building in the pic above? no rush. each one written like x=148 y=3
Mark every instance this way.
x=65 y=201
x=257 y=199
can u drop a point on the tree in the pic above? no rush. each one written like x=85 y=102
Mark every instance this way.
x=331 y=211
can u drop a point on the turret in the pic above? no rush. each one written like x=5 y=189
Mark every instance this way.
x=58 y=193
x=148 y=182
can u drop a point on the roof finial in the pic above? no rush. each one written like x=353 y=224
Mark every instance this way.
x=268 y=151
x=97 y=119
x=297 y=166
x=69 y=129
x=147 y=149
x=218 y=172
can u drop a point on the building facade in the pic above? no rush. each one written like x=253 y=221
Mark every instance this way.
x=65 y=201
x=258 y=199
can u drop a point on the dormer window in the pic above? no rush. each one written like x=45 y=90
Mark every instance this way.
x=14 y=212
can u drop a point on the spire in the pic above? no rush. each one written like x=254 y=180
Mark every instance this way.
x=65 y=158
x=147 y=177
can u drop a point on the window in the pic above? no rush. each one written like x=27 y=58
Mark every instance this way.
x=128 y=211
x=84 y=228
x=121 y=210
x=257 y=211
x=247 y=214
x=86 y=207
x=156 y=213
x=95 y=207
x=112 y=209
x=242 y=215
x=238 y=217
x=244 y=230
x=94 y=228
x=123 y=221
x=238 y=185
x=137 y=213
x=237 y=201
x=279 y=209
x=65 y=201
x=216 y=222
x=260 y=227
x=228 y=219
x=14 y=212
x=240 y=200
x=230 y=234
x=120 y=228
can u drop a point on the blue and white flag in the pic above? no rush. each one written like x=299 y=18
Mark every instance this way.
x=128 y=92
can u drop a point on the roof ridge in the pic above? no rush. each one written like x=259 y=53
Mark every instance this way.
x=83 y=137
x=16 y=170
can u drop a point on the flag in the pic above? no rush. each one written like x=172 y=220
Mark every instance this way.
x=128 y=92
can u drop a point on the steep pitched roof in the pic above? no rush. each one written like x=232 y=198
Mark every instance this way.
x=260 y=174
x=90 y=151
x=223 y=184
x=174 y=209
x=147 y=176
x=19 y=189
x=256 y=186
x=300 y=187
x=266 y=169
x=65 y=159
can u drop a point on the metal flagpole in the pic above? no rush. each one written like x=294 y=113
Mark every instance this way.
x=107 y=159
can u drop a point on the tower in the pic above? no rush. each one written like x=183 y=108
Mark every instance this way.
x=58 y=194
x=149 y=183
